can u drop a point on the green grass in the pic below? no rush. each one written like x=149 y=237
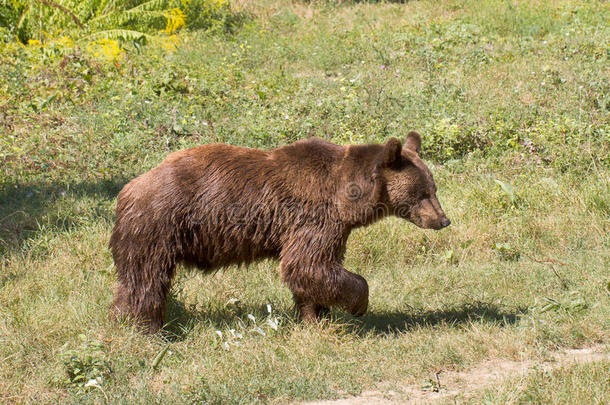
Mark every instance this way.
x=508 y=91
x=575 y=383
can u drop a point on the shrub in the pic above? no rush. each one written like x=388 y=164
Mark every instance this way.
x=127 y=20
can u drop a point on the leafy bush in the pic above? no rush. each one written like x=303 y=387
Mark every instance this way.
x=105 y=19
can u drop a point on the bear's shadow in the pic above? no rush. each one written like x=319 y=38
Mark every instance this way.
x=396 y=322
x=25 y=209
x=181 y=320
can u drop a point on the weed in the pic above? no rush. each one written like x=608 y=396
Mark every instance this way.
x=86 y=365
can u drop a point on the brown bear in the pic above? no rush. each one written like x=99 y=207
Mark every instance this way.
x=216 y=205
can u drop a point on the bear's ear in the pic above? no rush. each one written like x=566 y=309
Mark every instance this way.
x=391 y=152
x=413 y=141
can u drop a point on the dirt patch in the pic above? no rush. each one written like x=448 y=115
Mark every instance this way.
x=449 y=384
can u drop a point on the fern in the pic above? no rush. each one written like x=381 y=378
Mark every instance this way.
x=150 y=9
x=116 y=19
x=121 y=17
x=150 y=5
x=87 y=19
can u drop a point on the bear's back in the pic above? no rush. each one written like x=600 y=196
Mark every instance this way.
x=310 y=168
x=304 y=169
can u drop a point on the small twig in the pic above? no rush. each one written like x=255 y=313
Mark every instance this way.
x=438 y=381
x=550 y=262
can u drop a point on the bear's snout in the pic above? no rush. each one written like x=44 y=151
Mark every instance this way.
x=428 y=214
x=435 y=223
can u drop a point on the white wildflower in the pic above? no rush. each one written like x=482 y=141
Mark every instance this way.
x=272 y=323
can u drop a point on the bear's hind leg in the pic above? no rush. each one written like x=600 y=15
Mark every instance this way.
x=141 y=295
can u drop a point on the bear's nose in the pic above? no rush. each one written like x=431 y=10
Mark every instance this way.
x=445 y=222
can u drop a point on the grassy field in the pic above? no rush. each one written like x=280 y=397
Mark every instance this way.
x=513 y=101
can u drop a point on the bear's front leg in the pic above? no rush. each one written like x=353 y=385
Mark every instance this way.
x=308 y=310
x=319 y=286
x=355 y=293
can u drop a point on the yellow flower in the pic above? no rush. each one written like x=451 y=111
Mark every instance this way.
x=170 y=43
x=175 y=20
x=107 y=50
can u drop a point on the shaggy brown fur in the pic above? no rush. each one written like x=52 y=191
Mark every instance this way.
x=216 y=205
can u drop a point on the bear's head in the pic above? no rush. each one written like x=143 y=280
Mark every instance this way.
x=409 y=191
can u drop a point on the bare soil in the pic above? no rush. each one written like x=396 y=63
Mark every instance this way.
x=449 y=384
